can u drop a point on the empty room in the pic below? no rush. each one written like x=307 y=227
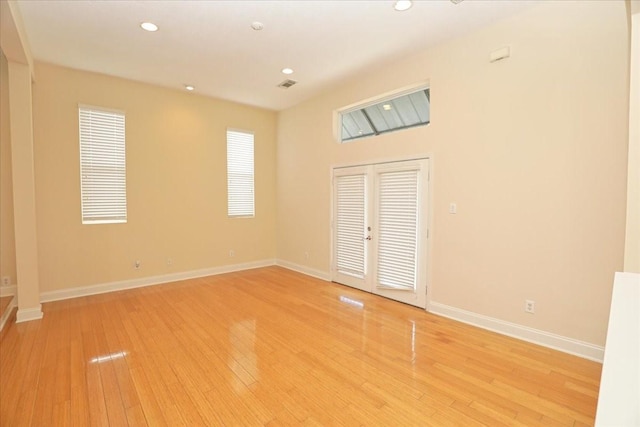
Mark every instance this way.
x=266 y=213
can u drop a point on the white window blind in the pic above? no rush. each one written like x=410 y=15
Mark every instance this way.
x=350 y=225
x=397 y=229
x=102 y=166
x=240 y=176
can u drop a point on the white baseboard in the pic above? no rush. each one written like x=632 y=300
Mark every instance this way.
x=28 y=314
x=557 y=342
x=8 y=291
x=148 y=281
x=7 y=313
x=322 y=275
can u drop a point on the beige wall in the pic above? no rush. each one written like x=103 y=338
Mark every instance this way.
x=176 y=182
x=533 y=149
x=7 y=236
x=632 y=241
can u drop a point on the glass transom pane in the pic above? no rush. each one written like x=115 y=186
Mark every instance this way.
x=401 y=112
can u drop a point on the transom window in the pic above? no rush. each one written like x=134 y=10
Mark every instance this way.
x=400 y=111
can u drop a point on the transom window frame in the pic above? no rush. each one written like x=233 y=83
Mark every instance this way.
x=380 y=99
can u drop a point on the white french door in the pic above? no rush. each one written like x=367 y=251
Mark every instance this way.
x=380 y=229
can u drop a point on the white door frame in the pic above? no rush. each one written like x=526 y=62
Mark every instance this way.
x=425 y=235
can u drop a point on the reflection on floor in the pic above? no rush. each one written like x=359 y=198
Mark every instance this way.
x=273 y=347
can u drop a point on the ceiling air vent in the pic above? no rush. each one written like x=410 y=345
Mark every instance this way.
x=287 y=84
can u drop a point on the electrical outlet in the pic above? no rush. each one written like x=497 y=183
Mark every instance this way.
x=306 y=255
x=232 y=253
x=6 y=280
x=137 y=264
x=530 y=306
x=169 y=261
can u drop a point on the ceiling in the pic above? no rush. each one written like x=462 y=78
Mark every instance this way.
x=211 y=45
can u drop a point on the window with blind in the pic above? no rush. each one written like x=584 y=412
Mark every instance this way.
x=102 y=166
x=240 y=174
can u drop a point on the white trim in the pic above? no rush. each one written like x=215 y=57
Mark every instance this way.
x=383 y=160
x=318 y=274
x=148 y=281
x=8 y=291
x=27 y=314
x=7 y=313
x=619 y=393
x=557 y=342
x=536 y=336
x=405 y=90
x=103 y=109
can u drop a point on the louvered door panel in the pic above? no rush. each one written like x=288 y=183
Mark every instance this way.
x=349 y=217
x=350 y=225
x=397 y=230
x=379 y=229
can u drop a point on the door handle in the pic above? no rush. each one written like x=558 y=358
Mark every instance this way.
x=367 y=238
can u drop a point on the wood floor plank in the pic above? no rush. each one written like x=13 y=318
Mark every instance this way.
x=273 y=347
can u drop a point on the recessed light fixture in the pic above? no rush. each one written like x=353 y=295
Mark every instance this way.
x=257 y=25
x=287 y=71
x=149 y=26
x=402 y=5
x=386 y=107
x=189 y=87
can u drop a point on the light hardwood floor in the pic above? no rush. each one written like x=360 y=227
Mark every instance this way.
x=274 y=347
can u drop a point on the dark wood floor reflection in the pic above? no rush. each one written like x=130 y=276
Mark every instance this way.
x=273 y=347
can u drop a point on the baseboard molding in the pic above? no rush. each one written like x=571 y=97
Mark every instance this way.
x=7 y=313
x=8 y=291
x=149 y=281
x=28 y=314
x=304 y=270
x=557 y=342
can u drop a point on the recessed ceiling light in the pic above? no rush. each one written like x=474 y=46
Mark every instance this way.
x=386 y=107
x=287 y=71
x=402 y=5
x=189 y=87
x=257 y=25
x=149 y=26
